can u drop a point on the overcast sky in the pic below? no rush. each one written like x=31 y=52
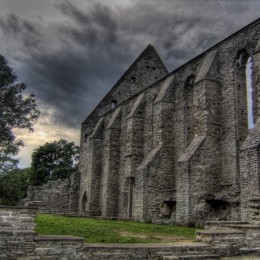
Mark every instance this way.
x=70 y=53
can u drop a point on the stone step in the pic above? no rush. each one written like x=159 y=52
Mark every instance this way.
x=223 y=231
x=245 y=227
x=250 y=251
x=252 y=242
x=191 y=257
x=199 y=257
x=67 y=214
x=223 y=224
x=28 y=258
x=44 y=211
x=35 y=203
x=225 y=237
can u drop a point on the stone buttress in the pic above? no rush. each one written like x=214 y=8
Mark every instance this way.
x=176 y=147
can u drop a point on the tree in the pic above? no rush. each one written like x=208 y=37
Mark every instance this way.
x=13 y=186
x=17 y=111
x=54 y=161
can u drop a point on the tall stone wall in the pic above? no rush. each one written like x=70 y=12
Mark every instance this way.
x=172 y=151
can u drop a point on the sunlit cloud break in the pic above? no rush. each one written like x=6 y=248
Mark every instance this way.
x=47 y=129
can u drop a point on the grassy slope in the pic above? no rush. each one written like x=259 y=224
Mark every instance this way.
x=111 y=231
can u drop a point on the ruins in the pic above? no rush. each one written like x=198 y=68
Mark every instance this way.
x=179 y=147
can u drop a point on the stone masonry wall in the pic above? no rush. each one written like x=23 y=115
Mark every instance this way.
x=172 y=148
x=19 y=241
x=16 y=232
x=55 y=196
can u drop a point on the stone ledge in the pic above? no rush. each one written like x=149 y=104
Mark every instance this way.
x=110 y=218
x=17 y=207
x=245 y=226
x=220 y=232
x=226 y=222
x=246 y=250
x=191 y=245
x=18 y=232
x=58 y=238
x=198 y=257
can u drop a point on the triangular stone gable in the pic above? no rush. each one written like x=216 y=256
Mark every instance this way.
x=147 y=69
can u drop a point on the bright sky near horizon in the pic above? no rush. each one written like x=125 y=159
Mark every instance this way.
x=70 y=53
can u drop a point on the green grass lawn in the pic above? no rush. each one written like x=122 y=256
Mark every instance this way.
x=111 y=231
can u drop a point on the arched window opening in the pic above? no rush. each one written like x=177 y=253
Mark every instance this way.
x=244 y=95
x=189 y=89
x=113 y=104
x=249 y=88
x=84 y=202
x=85 y=138
x=242 y=58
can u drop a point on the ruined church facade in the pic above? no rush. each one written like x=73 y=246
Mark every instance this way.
x=177 y=147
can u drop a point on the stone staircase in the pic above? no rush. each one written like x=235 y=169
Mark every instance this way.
x=42 y=208
x=234 y=236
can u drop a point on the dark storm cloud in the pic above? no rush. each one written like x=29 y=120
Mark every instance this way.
x=69 y=77
x=71 y=64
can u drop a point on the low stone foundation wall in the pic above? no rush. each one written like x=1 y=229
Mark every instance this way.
x=19 y=241
x=59 y=247
x=143 y=251
x=17 y=238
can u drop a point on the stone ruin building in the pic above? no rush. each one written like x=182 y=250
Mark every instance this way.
x=172 y=147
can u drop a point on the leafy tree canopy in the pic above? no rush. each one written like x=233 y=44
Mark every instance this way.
x=13 y=186
x=54 y=161
x=17 y=111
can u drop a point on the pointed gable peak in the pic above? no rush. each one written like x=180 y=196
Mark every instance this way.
x=150 y=47
x=146 y=70
x=148 y=53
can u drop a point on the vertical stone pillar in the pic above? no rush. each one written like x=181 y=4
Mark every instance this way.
x=134 y=146
x=198 y=170
x=249 y=178
x=94 y=169
x=155 y=177
x=111 y=165
x=183 y=194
